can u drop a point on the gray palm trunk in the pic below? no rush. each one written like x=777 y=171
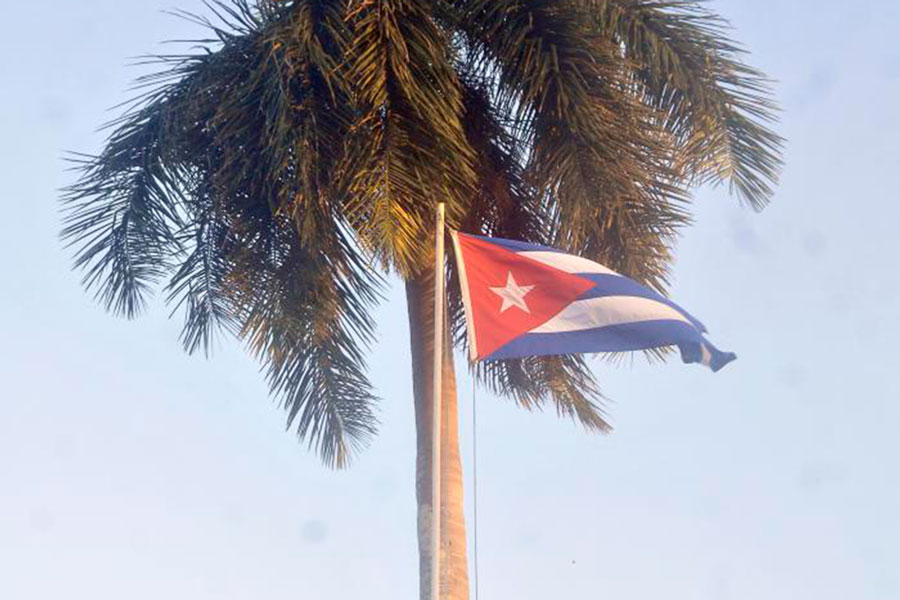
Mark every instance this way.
x=454 y=565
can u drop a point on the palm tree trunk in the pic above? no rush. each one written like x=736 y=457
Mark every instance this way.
x=454 y=566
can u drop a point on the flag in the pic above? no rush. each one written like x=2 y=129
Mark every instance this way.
x=528 y=300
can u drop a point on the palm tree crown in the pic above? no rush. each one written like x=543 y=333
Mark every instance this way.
x=269 y=180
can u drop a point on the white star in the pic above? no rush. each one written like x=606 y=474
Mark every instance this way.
x=513 y=294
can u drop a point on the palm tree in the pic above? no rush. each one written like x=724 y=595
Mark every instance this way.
x=269 y=181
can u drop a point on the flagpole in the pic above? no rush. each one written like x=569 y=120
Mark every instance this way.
x=437 y=409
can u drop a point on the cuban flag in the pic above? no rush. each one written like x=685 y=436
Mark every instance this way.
x=529 y=300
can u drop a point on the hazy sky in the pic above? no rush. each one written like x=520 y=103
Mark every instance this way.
x=129 y=470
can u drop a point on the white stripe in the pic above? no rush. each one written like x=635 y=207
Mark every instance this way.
x=609 y=310
x=566 y=262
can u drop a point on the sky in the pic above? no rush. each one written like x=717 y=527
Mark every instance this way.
x=128 y=469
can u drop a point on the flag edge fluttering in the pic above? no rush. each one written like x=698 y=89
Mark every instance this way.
x=681 y=330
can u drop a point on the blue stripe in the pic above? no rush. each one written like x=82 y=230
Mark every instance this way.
x=624 y=337
x=693 y=354
x=514 y=245
x=617 y=285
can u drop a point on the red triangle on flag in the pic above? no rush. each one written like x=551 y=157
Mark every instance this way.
x=509 y=294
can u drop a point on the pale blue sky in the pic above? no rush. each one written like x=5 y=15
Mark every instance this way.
x=128 y=469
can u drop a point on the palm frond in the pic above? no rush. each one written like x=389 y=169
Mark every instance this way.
x=199 y=286
x=122 y=217
x=563 y=381
x=223 y=176
x=715 y=104
x=409 y=135
x=307 y=316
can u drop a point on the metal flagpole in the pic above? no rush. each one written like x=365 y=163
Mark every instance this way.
x=436 y=415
